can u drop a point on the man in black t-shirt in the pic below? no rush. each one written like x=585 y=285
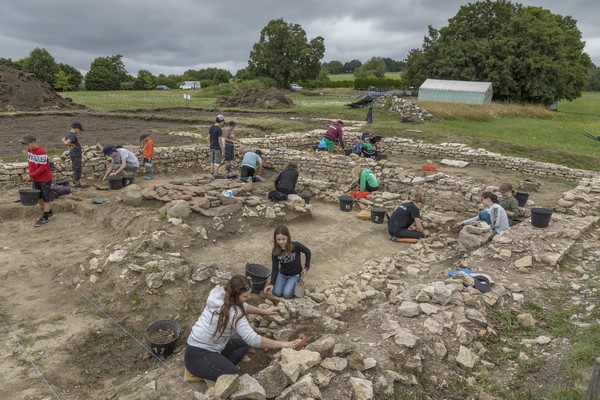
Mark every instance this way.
x=405 y=216
x=75 y=152
x=217 y=147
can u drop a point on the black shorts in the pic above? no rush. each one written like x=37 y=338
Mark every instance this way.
x=228 y=152
x=247 y=172
x=46 y=191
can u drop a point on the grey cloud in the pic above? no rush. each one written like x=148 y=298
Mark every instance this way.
x=170 y=36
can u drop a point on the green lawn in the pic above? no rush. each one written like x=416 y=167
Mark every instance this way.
x=558 y=138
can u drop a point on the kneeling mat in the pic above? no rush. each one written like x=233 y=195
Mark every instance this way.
x=407 y=240
x=365 y=215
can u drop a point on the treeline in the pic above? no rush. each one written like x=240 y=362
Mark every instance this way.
x=107 y=73
x=337 y=67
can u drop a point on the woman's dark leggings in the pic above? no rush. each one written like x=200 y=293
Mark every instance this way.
x=407 y=233
x=210 y=364
x=370 y=188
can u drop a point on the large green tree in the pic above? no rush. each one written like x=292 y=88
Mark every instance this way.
x=334 y=67
x=374 y=68
x=41 y=63
x=528 y=53
x=284 y=54
x=144 y=81
x=75 y=77
x=106 y=73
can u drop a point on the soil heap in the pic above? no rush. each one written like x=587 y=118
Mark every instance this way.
x=22 y=91
x=257 y=98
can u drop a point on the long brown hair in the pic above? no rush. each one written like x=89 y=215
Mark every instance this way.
x=235 y=287
x=282 y=230
x=489 y=195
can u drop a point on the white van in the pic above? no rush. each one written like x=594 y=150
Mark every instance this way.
x=187 y=85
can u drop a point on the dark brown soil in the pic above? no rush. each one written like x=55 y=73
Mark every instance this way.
x=22 y=91
x=162 y=336
x=257 y=98
x=102 y=129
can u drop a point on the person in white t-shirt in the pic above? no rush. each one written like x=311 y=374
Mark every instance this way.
x=122 y=161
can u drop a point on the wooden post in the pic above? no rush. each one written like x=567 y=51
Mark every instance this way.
x=593 y=392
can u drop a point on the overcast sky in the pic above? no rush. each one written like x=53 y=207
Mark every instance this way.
x=171 y=36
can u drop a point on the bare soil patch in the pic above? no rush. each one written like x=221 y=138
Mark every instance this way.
x=257 y=98
x=22 y=91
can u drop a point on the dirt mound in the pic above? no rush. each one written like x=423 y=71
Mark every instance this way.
x=257 y=98
x=22 y=91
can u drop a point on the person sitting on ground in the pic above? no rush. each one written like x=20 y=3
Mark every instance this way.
x=334 y=134
x=211 y=350
x=287 y=179
x=509 y=202
x=148 y=154
x=405 y=221
x=229 y=145
x=364 y=179
x=38 y=171
x=286 y=263
x=356 y=146
x=252 y=164
x=366 y=148
x=122 y=161
x=494 y=214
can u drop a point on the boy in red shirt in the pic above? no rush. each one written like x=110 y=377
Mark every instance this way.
x=148 y=154
x=40 y=174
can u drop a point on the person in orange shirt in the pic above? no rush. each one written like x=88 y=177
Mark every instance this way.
x=148 y=154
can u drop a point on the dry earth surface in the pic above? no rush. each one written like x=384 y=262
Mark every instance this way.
x=50 y=306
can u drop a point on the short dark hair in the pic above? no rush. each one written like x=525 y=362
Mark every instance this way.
x=258 y=152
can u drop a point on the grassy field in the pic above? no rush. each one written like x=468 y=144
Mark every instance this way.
x=514 y=130
x=350 y=77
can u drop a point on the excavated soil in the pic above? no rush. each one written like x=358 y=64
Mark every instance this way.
x=257 y=98
x=22 y=91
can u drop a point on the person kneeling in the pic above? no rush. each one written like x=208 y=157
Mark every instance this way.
x=287 y=267
x=211 y=351
x=405 y=216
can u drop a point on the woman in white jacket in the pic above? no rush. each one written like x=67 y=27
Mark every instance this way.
x=493 y=214
x=210 y=350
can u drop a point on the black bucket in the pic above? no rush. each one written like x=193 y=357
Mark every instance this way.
x=259 y=275
x=522 y=198
x=29 y=197
x=305 y=196
x=127 y=180
x=377 y=215
x=115 y=182
x=540 y=217
x=346 y=203
x=159 y=332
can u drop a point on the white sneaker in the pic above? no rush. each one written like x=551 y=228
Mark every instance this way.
x=259 y=178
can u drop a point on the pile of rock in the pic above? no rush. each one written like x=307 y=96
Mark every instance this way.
x=582 y=200
x=217 y=198
x=409 y=111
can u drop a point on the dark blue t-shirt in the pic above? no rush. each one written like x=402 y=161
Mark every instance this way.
x=214 y=133
x=403 y=217
x=74 y=151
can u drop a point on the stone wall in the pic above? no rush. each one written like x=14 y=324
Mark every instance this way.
x=182 y=157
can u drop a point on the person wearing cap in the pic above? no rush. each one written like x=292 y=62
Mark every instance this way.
x=229 y=145
x=217 y=148
x=123 y=160
x=148 y=154
x=252 y=163
x=335 y=134
x=38 y=166
x=75 y=152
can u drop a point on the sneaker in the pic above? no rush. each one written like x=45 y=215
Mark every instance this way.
x=76 y=186
x=394 y=238
x=259 y=178
x=50 y=215
x=40 y=222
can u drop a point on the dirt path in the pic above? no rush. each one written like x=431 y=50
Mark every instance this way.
x=340 y=243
